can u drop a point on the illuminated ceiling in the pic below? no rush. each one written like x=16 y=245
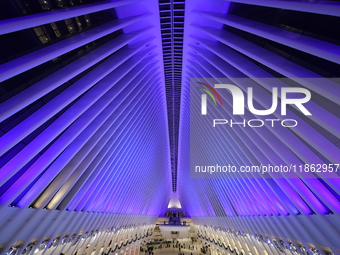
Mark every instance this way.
x=95 y=115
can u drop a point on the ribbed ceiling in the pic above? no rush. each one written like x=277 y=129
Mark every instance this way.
x=172 y=28
x=95 y=113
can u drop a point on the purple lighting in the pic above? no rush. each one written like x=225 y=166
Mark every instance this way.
x=219 y=119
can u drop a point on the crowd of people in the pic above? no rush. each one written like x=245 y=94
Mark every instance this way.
x=184 y=248
x=205 y=249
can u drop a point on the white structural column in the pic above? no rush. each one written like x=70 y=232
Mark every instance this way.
x=56 y=79
x=319 y=7
x=304 y=43
x=17 y=24
x=40 y=56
